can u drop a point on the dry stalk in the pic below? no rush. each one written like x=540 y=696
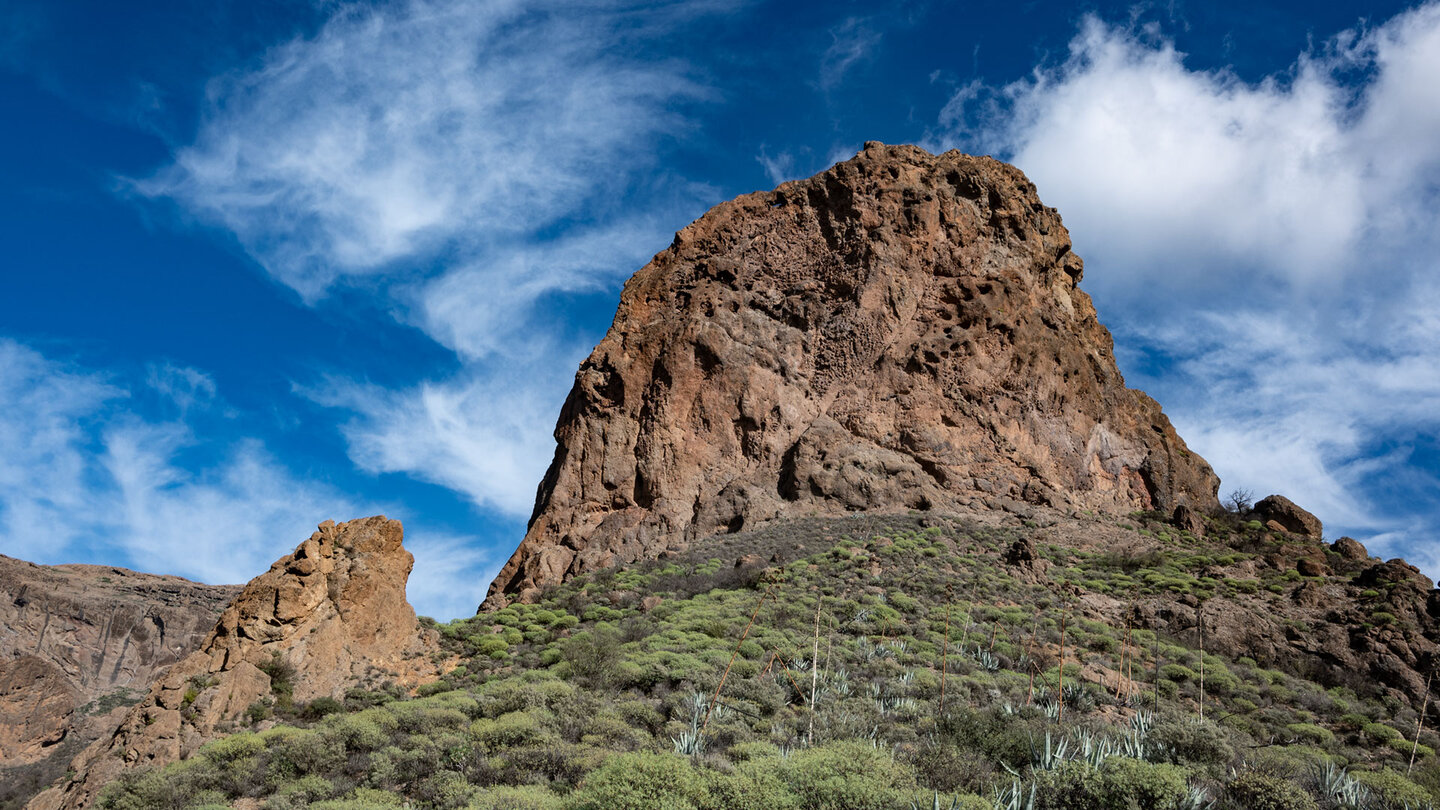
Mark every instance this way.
x=945 y=645
x=711 y=705
x=1420 y=722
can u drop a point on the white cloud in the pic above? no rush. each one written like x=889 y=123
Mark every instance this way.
x=81 y=469
x=851 y=42
x=475 y=163
x=421 y=128
x=78 y=467
x=451 y=575
x=487 y=436
x=1265 y=251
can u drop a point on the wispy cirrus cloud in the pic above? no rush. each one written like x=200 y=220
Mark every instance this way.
x=474 y=166
x=422 y=129
x=1265 y=250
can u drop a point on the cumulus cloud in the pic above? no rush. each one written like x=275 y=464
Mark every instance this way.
x=1264 y=250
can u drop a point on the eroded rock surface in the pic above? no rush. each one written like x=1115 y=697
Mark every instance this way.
x=903 y=331
x=77 y=644
x=333 y=613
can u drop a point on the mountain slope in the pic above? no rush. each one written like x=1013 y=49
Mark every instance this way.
x=77 y=644
x=874 y=661
x=329 y=617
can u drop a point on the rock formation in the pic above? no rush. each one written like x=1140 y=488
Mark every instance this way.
x=330 y=616
x=1288 y=516
x=78 y=643
x=903 y=331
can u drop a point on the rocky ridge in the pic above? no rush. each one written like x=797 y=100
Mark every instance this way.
x=327 y=617
x=903 y=331
x=77 y=644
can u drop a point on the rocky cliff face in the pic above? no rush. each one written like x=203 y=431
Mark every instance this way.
x=903 y=331
x=77 y=644
x=330 y=616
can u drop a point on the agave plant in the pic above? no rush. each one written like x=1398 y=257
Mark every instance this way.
x=1196 y=798
x=1015 y=797
x=987 y=660
x=936 y=805
x=1052 y=755
x=1336 y=784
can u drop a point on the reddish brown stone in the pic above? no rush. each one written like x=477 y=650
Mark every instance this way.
x=903 y=331
x=1289 y=517
x=334 y=611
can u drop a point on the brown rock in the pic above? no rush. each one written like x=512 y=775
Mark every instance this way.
x=1288 y=516
x=1311 y=568
x=649 y=603
x=903 y=331
x=1394 y=572
x=1189 y=520
x=334 y=611
x=76 y=642
x=1274 y=526
x=1350 y=549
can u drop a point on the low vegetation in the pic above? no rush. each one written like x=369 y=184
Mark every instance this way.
x=887 y=663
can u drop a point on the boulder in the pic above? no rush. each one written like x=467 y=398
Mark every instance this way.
x=1350 y=549
x=1289 y=517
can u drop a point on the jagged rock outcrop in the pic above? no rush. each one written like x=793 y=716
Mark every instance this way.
x=903 y=331
x=330 y=616
x=77 y=644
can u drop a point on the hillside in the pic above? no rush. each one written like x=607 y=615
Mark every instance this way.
x=851 y=509
x=78 y=644
x=936 y=670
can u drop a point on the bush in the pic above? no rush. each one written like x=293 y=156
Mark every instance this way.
x=362 y=799
x=642 y=782
x=527 y=797
x=1193 y=742
x=593 y=656
x=1311 y=733
x=1119 y=784
x=1258 y=791
x=1393 y=789
x=848 y=776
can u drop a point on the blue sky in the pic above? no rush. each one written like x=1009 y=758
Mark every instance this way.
x=268 y=263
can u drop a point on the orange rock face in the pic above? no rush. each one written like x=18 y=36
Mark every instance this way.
x=334 y=611
x=903 y=331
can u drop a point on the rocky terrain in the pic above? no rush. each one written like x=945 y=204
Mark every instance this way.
x=903 y=331
x=328 y=617
x=850 y=509
x=78 y=643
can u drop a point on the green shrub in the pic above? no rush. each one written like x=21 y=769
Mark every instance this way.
x=1311 y=733
x=1258 y=791
x=1119 y=784
x=1393 y=789
x=362 y=799
x=1192 y=742
x=642 y=781
x=525 y=797
x=847 y=776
